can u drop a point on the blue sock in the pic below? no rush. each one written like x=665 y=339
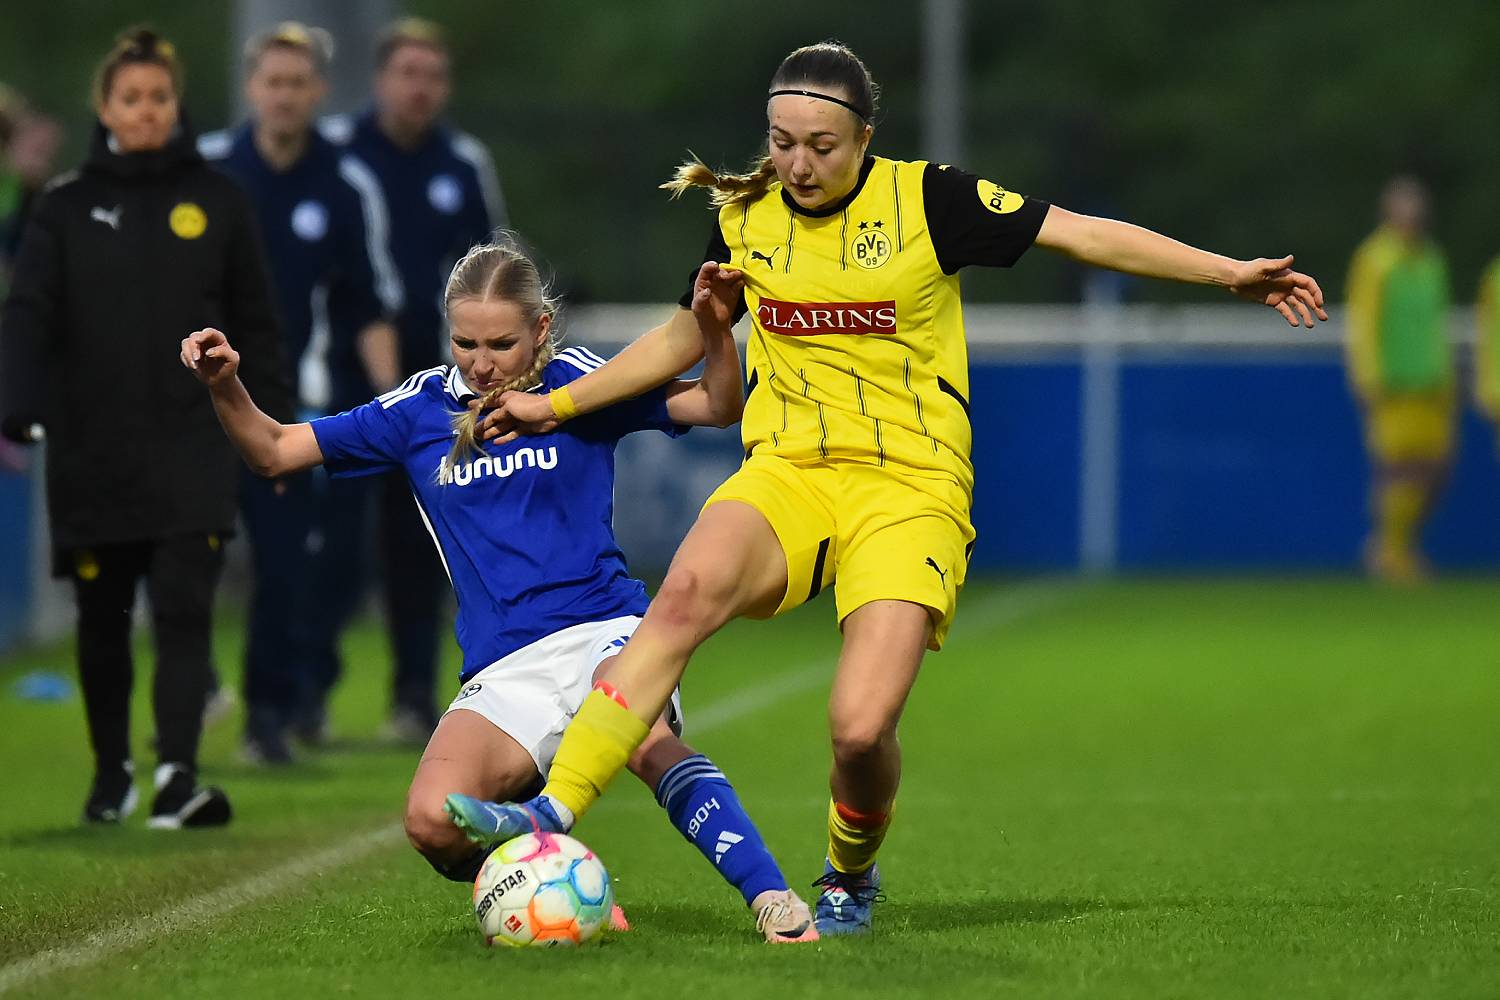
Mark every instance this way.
x=702 y=805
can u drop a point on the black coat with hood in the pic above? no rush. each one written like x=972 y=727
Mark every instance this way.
x=119 y=262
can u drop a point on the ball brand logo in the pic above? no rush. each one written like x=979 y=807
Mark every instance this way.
x=499 y=465
x=806 y=319
x=513 y=880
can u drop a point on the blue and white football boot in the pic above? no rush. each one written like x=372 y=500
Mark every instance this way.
x=490 y=824
x=847 y=899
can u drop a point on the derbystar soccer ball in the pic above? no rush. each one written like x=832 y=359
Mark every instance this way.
x=542 y=889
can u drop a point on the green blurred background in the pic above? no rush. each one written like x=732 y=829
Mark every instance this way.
x=1251 y=129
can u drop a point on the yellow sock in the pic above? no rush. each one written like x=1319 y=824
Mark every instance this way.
x=594 y=749
x=1401 y=504
x=854 y=837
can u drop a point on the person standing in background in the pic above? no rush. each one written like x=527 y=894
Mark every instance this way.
x=1401 y=370
x=119 y=259
x=444 y=198
x=28 y=146
x=324 y=222
x=1487 y=346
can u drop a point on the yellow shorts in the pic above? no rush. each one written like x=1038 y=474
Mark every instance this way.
x=1411 y=427
x=873 y=533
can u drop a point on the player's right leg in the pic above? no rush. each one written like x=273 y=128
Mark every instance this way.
x=730 y=564
x=470 y=756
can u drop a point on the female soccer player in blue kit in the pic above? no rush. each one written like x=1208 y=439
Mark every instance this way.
x=544 y=598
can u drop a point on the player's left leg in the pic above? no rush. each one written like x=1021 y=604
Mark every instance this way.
x=904 y=551
x=467 y=755
x=883 y=646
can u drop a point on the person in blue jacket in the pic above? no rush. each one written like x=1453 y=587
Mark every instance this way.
x=324 y=222
x=440 y=186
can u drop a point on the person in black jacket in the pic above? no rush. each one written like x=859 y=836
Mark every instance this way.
x=119 y=260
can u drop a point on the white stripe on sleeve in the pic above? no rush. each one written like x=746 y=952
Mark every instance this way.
x=472 y=152
x=377 y=231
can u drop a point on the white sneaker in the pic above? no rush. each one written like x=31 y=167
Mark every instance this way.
x=219 y=705
x=783 y=918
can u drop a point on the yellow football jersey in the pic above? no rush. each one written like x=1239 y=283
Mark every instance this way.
x=857 y=346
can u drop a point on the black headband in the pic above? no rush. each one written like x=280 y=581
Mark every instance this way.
x=823 y=97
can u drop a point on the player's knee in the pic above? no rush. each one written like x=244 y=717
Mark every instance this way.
x=687 y=601
x=430 y=830
x=856 y=741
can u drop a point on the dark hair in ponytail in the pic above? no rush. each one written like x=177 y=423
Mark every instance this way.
x=829 y=67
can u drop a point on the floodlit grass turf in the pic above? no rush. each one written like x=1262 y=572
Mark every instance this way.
x=1133 y=789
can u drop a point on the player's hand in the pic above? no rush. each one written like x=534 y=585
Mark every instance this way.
x=516 y=413
x=716 y=295
x=1273 y=283
x=207 y=354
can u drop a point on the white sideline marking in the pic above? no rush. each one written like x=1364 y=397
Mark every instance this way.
x=199 y=909
x=1008 y=605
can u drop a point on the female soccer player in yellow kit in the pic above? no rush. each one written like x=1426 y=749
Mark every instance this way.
x=856 y=431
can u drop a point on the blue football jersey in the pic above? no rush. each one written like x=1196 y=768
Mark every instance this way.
x=525 y=529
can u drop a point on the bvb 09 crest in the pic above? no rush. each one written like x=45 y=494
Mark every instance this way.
x=870 y=248
x=187 y=220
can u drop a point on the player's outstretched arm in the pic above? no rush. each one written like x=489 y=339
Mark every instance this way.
x=1121 y=246
x=718 y=398
x=657 y=356
x=270 y=448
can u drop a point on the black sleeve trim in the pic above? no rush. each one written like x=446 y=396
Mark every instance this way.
x=716 y=250
x=964 y=231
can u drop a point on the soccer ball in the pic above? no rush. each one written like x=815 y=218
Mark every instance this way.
x=542 y=889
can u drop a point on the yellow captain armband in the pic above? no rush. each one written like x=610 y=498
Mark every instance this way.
x=562 y=404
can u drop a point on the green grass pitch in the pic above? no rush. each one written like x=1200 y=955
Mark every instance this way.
x=1189 y=788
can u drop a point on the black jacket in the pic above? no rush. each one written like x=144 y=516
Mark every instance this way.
x=119 y=262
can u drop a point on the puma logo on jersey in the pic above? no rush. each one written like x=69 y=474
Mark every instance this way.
x=937 y=569
x=110 y=218
x=770 y=261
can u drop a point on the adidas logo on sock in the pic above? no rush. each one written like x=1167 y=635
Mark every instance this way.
x=727 y=839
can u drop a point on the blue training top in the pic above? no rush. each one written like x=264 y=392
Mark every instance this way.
x=524 y=530
x=443 y=198
x=325 y=225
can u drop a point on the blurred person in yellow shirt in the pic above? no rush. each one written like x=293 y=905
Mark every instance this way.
x=1487 y=346
x=1401 y=370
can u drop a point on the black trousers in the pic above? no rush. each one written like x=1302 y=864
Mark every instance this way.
x=181 y=574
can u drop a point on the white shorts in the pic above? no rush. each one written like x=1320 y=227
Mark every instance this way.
x=532 y=694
